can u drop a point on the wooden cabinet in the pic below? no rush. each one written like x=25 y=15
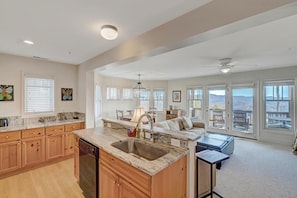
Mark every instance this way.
x=118 y=179
x=108 y=183
x=69 y=137
x=29 y=147
x=10 y=151
x=54 y=142
x=170 y=114
x=33 y=146
x=126 y=189
x=76 y=157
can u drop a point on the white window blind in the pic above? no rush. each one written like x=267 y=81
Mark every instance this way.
x=39 y=95
x=159 y=97
x=127 y=93
x=112 y=93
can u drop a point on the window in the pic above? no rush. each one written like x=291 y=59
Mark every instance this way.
x=279 y=105
x=194 y=97
x=38 y=95
x=217 y=108
x=159 y=96
x=112 y=93
x=243 y=109
x=144 y=100
x=127 y=94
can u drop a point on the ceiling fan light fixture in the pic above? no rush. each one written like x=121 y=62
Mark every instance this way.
x=225 y=69
x=109 y=32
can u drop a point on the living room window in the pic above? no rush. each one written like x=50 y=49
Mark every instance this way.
x=144 y=100
x=128 y=94
x=159 y=97
x=112 y=93
x=279 y=105
x=38 y=95
x=195 y=103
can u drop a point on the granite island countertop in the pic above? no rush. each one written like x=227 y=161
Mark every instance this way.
x=38 y=125
x=103 y=137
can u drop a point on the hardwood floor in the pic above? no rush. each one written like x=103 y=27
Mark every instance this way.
x=52 y=181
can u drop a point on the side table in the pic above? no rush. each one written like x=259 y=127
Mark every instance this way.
x=211 y=157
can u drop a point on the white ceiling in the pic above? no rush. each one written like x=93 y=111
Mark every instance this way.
x=68 y=31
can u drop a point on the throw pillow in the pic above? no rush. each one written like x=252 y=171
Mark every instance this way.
x=162 y=124
x=187 y=123
x=174 y=126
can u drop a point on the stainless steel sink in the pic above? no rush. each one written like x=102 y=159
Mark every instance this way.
x=140 y=148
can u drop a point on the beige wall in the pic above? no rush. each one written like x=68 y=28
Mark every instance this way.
x=11 y=72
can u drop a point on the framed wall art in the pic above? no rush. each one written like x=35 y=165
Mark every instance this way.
x=6 y=92
x=66 y=94
x=176 y=96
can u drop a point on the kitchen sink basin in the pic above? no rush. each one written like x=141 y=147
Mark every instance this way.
x=140 y=148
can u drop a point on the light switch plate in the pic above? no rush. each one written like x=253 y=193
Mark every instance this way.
x=175 y=142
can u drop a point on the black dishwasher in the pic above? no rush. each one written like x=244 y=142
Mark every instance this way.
x=88 y=169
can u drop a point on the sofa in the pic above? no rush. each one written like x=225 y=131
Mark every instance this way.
x=184 y=124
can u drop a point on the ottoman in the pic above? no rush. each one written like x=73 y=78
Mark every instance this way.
x=218 y=142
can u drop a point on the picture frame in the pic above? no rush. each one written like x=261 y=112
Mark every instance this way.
x=66 y=94
x=6 y=93
x=176 y=96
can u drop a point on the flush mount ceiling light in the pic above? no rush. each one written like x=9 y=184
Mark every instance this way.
x=109 y=32
x=28 y=42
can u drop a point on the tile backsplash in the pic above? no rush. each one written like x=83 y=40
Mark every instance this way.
x=18 y=120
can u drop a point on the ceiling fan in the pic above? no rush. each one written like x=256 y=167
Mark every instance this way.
x=226 y=65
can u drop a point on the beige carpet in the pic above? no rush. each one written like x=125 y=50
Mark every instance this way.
x=258 y=170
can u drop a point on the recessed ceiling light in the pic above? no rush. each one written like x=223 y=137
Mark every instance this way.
x=109 y=32
x=29 y=42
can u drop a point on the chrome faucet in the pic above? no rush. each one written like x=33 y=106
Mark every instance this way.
x=150 y=120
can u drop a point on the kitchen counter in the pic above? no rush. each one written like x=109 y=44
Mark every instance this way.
x=38 y=125
x=102 y=137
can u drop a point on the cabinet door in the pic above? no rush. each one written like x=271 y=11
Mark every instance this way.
x=69 y=143
x=54 y=146
x=76 y=162
x=108 y=183
x=127 y=190
x=33 y=151
x=10 y=156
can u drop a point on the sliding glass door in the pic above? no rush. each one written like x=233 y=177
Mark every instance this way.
x=217 y=108
x=242 y=110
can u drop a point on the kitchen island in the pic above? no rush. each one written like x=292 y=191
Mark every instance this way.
x=115 y=130
x=124 y=175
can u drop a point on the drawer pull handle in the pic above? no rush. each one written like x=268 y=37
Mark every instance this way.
x=7 y=137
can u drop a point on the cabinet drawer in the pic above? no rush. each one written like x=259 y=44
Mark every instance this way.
x=37 y=132
x=10 y=136
x=54 y=129
x=129 y=173
x=72 y=127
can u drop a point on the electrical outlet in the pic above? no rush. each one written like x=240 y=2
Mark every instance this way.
x=108 y=125
x=175 y=142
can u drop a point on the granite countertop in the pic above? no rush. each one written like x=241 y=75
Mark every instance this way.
x=38 y=125
x=102 y=137
x=182 y=135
